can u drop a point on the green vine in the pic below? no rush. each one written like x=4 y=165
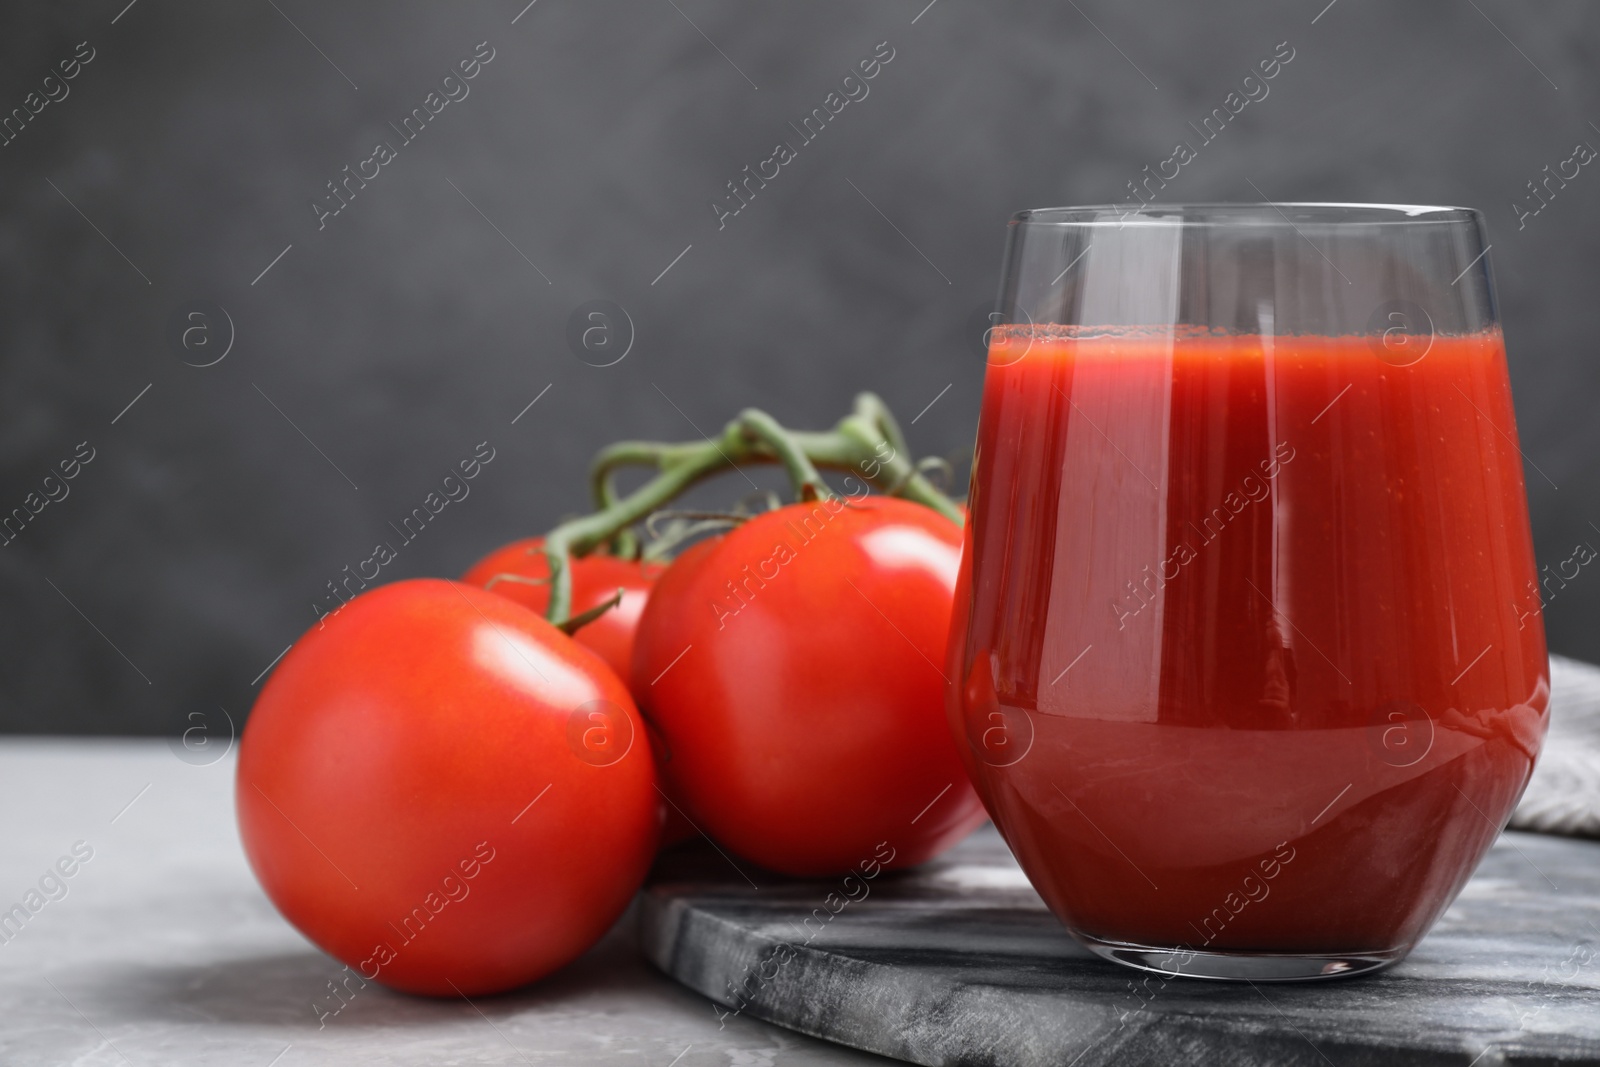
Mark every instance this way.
x=867 y=443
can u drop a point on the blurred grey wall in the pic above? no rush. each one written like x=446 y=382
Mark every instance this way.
x=174 y=174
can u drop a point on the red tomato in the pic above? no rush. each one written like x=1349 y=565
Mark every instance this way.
x=794 y=669
x=676 y=826
x=444 y=791
x=595 y=579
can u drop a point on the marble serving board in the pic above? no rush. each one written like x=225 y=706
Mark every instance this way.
x=959 y=962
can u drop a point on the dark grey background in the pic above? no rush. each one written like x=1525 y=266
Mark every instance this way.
x=189 y=552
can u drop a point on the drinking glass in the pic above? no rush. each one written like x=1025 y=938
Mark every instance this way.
x=1247 y=660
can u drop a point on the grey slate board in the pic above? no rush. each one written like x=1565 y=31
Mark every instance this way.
x=959 y=962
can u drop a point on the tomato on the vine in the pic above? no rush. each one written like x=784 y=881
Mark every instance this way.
x=676 y=826
x=794 y=669
x=446 y=792
x=519 y=572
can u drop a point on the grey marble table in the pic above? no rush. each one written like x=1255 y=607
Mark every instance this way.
x=164 y=951
x=160 y=949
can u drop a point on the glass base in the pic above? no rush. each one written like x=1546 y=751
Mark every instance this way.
x=1242 y=966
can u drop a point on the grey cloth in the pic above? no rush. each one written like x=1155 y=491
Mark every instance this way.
x=1564 y=795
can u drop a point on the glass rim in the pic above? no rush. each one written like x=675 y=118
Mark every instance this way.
x=1260 y=213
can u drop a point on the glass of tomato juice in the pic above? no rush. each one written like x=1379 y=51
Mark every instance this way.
x=1247 y=661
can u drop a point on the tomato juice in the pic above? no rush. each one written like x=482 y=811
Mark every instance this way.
x=1246 y=650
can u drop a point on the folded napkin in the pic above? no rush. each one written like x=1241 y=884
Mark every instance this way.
x=1564 y=795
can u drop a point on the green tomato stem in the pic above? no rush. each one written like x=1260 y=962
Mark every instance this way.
x=866 y=443
x=764 y=429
